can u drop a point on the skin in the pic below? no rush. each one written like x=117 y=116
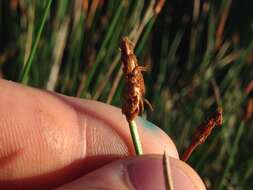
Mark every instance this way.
x=50 y=141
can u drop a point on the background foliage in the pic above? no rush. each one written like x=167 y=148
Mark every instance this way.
x=200 y=53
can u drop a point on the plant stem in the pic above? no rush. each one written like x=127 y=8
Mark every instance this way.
x=24 y=74
x=189 y=151
x=135 y=137
x=167 y=172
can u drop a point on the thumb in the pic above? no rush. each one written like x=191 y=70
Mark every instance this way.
x=139 y=172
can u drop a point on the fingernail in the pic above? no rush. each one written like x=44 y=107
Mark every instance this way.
x=149 y=174
x=147 y=124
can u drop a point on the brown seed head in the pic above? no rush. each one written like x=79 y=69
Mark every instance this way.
x=134 y=89
x=205 y=128
x=203 y=131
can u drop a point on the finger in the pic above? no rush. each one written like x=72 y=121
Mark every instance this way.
x=142 y=172
x=47 y=139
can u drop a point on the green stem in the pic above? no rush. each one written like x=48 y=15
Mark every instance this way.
x=135 y=137
x=24 y=74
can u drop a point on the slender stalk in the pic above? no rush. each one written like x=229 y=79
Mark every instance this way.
x=30 y=29
x=24 y=74
x=167 y=172
x=58 y=51
x=135 y=137
x=189 y=151
x=221 y=26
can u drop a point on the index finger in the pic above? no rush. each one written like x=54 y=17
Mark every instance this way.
x=48 y=139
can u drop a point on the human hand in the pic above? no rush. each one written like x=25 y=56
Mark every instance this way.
x=48 y=140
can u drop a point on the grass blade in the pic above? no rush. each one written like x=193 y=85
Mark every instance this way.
x=24 y=77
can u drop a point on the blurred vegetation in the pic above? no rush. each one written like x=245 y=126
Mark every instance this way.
x=200 y=53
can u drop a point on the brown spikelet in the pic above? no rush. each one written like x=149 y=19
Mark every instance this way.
x=203 y=131
x=134 y=90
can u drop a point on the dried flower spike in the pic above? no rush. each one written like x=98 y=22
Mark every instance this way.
x=203 y=131
x=134 y=90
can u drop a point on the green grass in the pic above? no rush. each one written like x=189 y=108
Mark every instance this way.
x=24 y=77
x=200 y=53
